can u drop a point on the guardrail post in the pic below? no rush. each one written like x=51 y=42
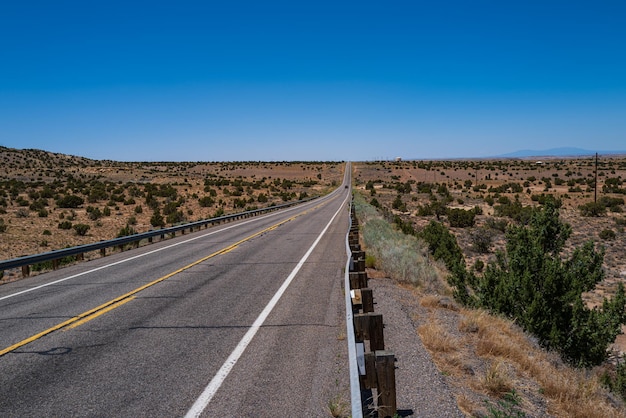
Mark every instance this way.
x=55 y=264
x=80 y=257
x=367 y=300
x=358 y=280
x=369 y=326
x=386 y=379
x=368 y=380
x=103 y=252
x=25 y=271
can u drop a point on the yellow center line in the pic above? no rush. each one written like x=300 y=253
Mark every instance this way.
x=127 y=297
x=100 y=312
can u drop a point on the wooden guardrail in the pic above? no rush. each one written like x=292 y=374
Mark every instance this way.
x=79 y=251
x=376 y=364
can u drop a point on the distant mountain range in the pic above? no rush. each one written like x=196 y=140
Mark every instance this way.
x=559 y=152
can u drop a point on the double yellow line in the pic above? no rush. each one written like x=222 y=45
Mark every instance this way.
x=127 y=297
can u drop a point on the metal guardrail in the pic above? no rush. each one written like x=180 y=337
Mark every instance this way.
x=355 y=386
x=81 y=249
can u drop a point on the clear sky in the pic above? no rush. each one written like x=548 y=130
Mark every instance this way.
x=323 y=80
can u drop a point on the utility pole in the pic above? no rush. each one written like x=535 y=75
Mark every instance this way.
x=595 y=188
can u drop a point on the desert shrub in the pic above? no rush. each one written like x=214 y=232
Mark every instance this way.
x=138 y=209
x=592 y=209
x=611 y=185
x=156 y=219
x=460 y=218
x=425 y=210
x=262 y=198
x=170 y=207
x=38 y=205
x=541 y=289
x=398 y=204
x=481 y=240
x=175 y=217
x=46 y=232
x=514 y=210
x=65 y=225
x=3 y=226
x=22 y=213
x=206 y=201
x=607 y=234
x=70 y=201
x=497 y=224
x=616 y=381
x=612 y=203
x=125 y=231
x=94 y=213
x=543 y=198
x=239 y=203
x=405 y=227
x=42 y=213
x=374 y=202
x=479 y=265
x=442 y=244
x=81 y=229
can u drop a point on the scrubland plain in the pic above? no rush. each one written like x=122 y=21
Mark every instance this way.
x=50 y=201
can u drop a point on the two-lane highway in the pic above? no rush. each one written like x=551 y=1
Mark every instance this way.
x=244 y=319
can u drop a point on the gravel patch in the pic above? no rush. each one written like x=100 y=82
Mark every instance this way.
x=421 y=389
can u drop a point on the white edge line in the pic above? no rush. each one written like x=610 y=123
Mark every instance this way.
x=201 y=403
x=148 y=253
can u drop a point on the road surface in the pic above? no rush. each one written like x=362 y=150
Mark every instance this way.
x=240 y=320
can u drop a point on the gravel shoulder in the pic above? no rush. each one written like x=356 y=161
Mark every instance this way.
x=421 y=389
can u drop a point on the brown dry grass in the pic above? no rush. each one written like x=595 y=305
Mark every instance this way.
x=488 y=357
x=492 y=356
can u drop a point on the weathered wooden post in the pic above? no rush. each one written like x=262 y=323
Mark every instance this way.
x=358 y=280
x=25 y=271
x=367 y=300
x=369 y=326
x=386 y=383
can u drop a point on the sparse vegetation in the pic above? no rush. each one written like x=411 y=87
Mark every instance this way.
x=476 y=348
x=36 y=186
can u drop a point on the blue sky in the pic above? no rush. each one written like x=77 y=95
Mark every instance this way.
x=239 y=80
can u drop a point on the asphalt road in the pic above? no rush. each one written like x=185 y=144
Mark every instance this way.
x=183 y=326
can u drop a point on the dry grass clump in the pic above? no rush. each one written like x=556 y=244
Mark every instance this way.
x=490 y=358
x=496 y=380
x=568 y=391
x=436 y=338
